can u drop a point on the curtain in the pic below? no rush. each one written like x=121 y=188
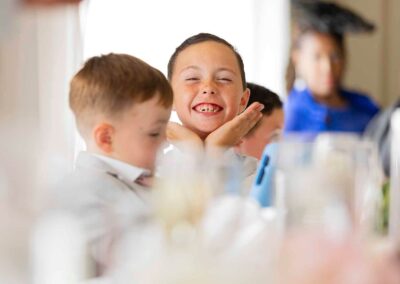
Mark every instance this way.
x=40 y=49
x=38 y=56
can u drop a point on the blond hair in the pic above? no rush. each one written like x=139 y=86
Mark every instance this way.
x=108 y=84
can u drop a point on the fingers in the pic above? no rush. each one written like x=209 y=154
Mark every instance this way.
x=244 y=122
x=228 y=135
x=252 y=114
x=232 y=132
x=254 y=107
x=173 y=131
x=177 y=133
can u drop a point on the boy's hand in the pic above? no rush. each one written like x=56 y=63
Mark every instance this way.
x=231 y=133
x=177 y=133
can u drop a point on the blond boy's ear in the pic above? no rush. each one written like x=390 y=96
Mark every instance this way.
x=103 y=137
x=244 y=100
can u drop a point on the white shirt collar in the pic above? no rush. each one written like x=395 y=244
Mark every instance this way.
x=249 y=163
x=122 y=169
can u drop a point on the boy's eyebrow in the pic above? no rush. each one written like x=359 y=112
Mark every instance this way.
x=189 y=67
x=198 y=68
x=226 y=69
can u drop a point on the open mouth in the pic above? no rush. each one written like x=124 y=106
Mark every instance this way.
x=207 y=108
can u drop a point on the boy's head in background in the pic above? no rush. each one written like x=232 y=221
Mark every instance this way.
x=122 y=106
x=208 y=78
x=270 y=125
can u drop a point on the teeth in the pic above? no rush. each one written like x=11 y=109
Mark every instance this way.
x=207 y=108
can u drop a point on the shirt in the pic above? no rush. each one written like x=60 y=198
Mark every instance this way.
x=304 y=114
x=238 y=181
x=123 y=170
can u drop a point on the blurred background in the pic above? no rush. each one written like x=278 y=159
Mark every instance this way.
x=44 y=42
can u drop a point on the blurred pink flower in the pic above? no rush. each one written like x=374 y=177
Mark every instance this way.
x=316 y=258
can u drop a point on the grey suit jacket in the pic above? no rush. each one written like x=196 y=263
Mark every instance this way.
x=104 y=203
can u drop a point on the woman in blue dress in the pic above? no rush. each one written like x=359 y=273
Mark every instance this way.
x=318 y=59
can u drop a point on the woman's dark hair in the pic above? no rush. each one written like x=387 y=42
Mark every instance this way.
x=202 y=37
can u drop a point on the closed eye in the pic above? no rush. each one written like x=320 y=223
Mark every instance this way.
x=156 y=134
x=192 y=79
x=225 y=79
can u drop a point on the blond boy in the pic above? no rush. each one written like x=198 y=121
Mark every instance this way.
x=122 y=106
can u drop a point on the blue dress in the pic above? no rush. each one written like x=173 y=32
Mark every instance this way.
x=304 y=114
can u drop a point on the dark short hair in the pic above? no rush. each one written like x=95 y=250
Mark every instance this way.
x=199 y=38
x=269 y=99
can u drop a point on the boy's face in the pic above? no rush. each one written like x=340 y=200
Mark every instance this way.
x=268 y=128
x=207 y=86
x=139 y=133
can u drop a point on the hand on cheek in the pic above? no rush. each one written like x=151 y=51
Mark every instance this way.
x=231 y=133
x=226 y=136
x=178 y=134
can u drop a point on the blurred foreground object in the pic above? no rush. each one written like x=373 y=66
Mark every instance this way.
x=59 y=251
x=394 y=192
x=313 y=257
x=379 y=130
x=50 y=2
x=333 y=181
x=19 y=187
x=203 y=230
x=33 y=118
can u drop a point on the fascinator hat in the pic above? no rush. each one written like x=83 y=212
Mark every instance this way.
x=313 y=16
x=328 y=17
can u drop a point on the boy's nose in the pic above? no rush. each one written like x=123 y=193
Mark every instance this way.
x=208 y=89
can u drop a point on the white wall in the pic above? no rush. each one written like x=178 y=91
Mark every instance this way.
x=271 y=44
x=152 y=29
x=374 y=60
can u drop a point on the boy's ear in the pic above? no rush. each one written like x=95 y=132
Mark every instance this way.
x=244 y=100
x=103 y=137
